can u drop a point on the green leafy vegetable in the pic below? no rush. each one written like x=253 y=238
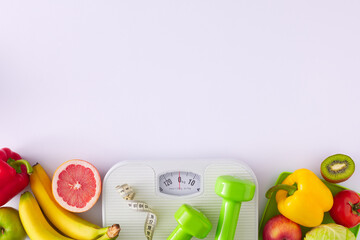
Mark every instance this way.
x=330 y=231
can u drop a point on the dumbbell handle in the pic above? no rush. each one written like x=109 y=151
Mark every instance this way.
x=228 y=219
x=179 y=234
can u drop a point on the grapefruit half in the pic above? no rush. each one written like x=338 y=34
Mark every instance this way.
x=76 y=185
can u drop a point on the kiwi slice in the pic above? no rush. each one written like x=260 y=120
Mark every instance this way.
x=337 y=168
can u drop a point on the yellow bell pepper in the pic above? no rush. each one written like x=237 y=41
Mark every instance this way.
x=303 y=198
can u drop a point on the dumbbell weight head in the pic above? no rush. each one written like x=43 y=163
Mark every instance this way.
x=234 y=189
x=191 y=223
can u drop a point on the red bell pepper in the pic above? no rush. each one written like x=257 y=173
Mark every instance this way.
x=346 y=208
x=14 y=174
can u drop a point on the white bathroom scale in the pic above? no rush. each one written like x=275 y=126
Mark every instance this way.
x=164 y=185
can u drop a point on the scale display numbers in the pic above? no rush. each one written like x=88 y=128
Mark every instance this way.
x=180 y=183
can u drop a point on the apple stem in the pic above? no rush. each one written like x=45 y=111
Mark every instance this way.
x=291 y=189
x=2 y=231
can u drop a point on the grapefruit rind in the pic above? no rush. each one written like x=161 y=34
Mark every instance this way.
x=61 y=201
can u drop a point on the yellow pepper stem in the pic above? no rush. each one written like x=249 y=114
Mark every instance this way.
x=291 y=189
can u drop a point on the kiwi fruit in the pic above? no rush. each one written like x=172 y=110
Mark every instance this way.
x=337 y=168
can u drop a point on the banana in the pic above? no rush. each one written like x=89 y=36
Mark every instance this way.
x=38 y=228
x=68 y=223
x=34 y=221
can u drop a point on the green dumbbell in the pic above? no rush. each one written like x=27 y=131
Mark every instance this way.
x=192 y=223
x=234 y=191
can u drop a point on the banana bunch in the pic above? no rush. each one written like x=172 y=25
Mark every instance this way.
x=34 y=221
x=68 y=223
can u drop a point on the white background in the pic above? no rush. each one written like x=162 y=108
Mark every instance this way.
x=272 y=83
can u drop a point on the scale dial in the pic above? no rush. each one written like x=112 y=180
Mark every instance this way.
x=180 y=183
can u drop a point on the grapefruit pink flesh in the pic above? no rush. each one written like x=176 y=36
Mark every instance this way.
x=76 y=185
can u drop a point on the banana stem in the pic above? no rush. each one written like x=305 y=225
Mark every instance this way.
x=111 y=233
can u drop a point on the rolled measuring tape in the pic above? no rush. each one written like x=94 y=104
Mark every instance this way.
x=128 y=194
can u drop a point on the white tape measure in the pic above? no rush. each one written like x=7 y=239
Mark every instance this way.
x=128 y=194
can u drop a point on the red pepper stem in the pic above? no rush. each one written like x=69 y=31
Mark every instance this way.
x=291 y=189
x=17 y=165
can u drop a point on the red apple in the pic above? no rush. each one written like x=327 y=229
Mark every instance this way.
x=281 y=228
